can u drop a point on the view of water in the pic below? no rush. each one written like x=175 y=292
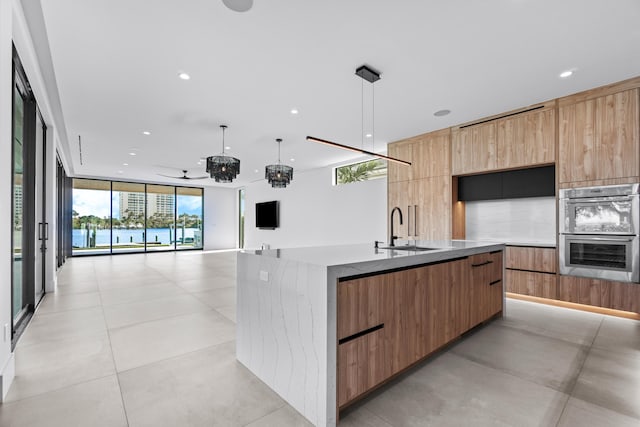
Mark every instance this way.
x=103 y=237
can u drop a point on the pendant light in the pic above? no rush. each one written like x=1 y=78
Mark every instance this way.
x=223 y=168
x=278 y=175
x=370 y=75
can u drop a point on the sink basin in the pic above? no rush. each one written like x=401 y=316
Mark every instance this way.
x=409 y=248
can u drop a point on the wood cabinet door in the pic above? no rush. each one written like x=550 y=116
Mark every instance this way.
x=397 y=172
x=431 y=155
x=478 y=266
x=473 y=149
x=496 y=284
x=431 y=218
x=599 y=138
x=526 y=139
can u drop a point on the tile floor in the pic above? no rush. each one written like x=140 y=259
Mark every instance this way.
x=148 y=340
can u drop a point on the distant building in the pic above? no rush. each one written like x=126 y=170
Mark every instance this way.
x=17 y=204
x=133 y=204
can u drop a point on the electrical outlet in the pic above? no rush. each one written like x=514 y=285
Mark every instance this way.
x=264 y=276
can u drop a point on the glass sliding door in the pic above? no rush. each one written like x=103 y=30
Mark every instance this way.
x=189 y=218
x=128 y=217
x=91 y=217
x=18 y=288
x=41 y=234
x=161 y=219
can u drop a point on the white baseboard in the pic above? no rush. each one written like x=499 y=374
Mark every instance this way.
x=6 y=376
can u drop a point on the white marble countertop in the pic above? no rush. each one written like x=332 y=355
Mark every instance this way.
x=366 y=257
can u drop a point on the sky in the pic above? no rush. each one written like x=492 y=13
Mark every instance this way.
x=96 y=202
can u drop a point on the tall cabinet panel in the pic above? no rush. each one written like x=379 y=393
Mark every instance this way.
x=422 y=191
x=526 y=139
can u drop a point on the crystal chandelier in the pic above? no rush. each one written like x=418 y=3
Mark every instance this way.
x=278 y=175
x=223 y=168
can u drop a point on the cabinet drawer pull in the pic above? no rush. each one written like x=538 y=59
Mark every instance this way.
x=494 y=282
x=361 y=333
x=482 y=263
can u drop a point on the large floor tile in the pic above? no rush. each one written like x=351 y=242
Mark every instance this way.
x=453 y=391
x=114 y=296
x=285 y=416
x=208 y=284
x=547 y=361
x=361 y=417
x=620 y=335
x=158 y=308
x=51 y=365
x=611 y=380
x=77 y=288
x=225 y=297
x=575 y=326
x=148 y=342
x=62 y=325
x=55 y=302
x=204 y=388
x=228 y=312
x=579 y=413
x=95 y=403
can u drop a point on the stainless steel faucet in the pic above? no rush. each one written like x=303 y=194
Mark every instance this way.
x=392 y=237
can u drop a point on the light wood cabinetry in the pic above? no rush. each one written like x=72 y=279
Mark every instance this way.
x=599 y=138
x=531 y=258
x=473 y=149
x=402 y=150
x=526 y=139
x=486 y=288
x=600 y=293
x=516 y=140
x=425 y=208
x=531 y=271
x=390 y=321
x=428 y=154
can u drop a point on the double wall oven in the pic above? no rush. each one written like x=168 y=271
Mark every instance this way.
x=599 y=232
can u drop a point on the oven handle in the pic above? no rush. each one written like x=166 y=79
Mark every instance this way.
x=612 y=238
x=576 y=201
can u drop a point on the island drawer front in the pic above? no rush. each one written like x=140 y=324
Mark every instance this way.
x=361 y=366
x=531 y=259
x=359 y=305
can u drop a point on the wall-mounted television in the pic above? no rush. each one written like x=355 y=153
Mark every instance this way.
x=267 y=215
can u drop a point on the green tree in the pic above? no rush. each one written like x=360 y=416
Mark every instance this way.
x=358 y=172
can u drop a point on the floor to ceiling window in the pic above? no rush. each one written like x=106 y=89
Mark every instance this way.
x=19 y=305
x=161 y=218
x=128 y=217
x=188 y=230
x=120 y=217
x=91 y=217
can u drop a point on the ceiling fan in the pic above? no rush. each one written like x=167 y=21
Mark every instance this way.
x=184 y=176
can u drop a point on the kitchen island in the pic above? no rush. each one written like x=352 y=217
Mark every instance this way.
x=322 y=326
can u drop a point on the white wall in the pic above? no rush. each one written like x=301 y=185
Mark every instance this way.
x=6 y=357
x=220 y=218
x=315 y=212
x=527 y=220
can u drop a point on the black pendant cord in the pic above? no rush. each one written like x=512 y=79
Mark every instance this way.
x=223 y=129
x=362 y=114
x=373 y=117
x=278 y=141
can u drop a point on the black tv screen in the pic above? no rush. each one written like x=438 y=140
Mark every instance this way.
x=267 y=214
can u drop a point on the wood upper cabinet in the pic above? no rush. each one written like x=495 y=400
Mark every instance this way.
x=526 y=139
x=473 y=149
x=428 y=154
x=599 y=138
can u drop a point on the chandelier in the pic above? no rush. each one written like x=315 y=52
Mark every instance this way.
x=223 y=168
x=278 y=175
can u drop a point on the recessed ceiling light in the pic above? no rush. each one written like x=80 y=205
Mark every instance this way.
x=133 y=153
x=256 y=171
x=146 y=132
x=238 y=5
x=368 y=135
x=566 y=74
x=227 y=148
x=125 y=164
x=120 y=172
x=184 y=76
x=441 y=113
x=292 y=159
x=294 y=111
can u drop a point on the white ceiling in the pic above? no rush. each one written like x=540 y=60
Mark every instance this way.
x=116 y=64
